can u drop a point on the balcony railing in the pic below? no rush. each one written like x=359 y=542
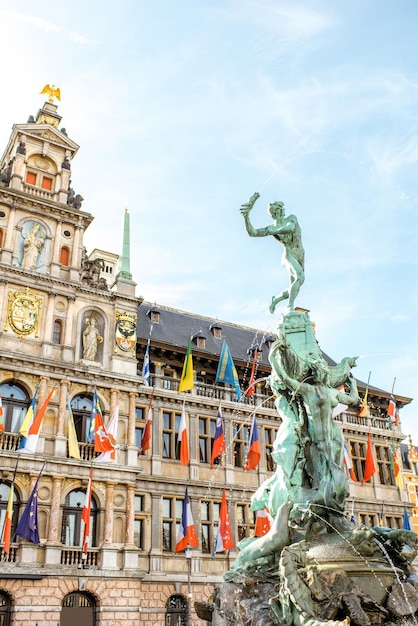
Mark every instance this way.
x=76 y=557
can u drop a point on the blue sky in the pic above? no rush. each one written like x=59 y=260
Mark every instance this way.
x=183 y=109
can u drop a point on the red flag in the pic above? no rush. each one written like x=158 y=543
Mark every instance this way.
x=263 y=522
x=8 y=521
x=251 y=384
x=392 y=408
x=224 y=539
x=254 y=454
x=103 y=441
x=85 y=515
x=369 y=467
x=219 y=440
x=183 y=439
x=147 y=433
x=187 y=533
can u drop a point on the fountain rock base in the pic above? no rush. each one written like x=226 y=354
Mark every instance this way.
x=334 y=582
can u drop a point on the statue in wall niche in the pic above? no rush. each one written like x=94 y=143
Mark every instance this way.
x=91 y=339
x=32 y=246
x=90 y=272
x=287 y=231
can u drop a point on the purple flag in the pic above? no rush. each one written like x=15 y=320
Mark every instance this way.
x=27 y=527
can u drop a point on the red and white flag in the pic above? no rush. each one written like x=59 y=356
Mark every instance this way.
x=263 y=523
x=224 y=539
x=183 y=439
x=85 y=514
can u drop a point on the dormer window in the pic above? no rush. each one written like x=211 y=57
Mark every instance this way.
x=154 y=316
x=200 y=342
x=216 y=331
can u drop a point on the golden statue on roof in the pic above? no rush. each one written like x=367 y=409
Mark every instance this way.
x=52 y=91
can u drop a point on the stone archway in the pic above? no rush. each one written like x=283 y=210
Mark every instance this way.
x=78 y=608
x=177 y=611
x=5 y=608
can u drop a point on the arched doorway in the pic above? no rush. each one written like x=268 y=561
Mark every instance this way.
x=177 y=611
x=78 y=608
x=5 y=607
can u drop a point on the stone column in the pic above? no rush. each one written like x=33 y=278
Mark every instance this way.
x=109 y=553
x=57 y=242
x=130 y=551
x=49 y=326
x=68 y=350
x=132 y=451
x=60 y=438
x=114 y=393
x=54 y=528
x=7 y=252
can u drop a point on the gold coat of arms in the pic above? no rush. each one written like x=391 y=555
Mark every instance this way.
x=23 y=313
x=125 y=332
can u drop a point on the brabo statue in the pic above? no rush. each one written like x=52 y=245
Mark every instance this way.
x=287 y=231
x=313 y=567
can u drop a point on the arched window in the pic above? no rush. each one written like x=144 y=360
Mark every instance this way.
x=15 y=402
x=82 y=406
x=72 y=528
x=4 y=499
x=57 y=332
x=78 y=608
x=5 y=609
x=177 y=611
x=65 y=256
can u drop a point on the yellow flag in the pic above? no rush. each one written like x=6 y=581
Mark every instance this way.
x=186 y=381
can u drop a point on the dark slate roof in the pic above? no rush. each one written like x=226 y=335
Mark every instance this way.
x=176 y=327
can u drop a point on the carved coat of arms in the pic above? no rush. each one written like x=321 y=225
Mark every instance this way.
x=23 y=312
x=125 y=332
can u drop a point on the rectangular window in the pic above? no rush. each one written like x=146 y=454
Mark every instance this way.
x=170 y=445
x=139 y=521
x=31 y=178
x=171 y=516
x=245 y=521
x=207 y=427
x=241 y=434
x=209 y=520
x=385 y=468
x=46 y=183
x=357 y=451
x=269 y=437
x=140 y=413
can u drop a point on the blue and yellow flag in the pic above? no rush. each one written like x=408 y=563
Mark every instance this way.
x=227 y=372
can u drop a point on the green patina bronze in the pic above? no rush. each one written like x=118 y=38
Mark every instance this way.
x=313 y=567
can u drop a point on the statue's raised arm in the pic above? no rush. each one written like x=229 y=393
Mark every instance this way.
x=287 y=231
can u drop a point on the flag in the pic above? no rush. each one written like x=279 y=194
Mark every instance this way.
x=369 y=466
x=251 y=385
x=7 y=529
x=112 y=432
x=254 y=454
x=28 y=419
x=186 y=380
x=352 y=518
x=219 y=440
x=392 y=408
x=340 y=408
x=96 y=410
x=27 y=527
x=183 y=439
x=103 y=441
x=396 y=468
x=73 y=447
x=31 y=439
x=147 y=432
x=349 y=464
x=224 y=539
x=85 y=514
x=227 y=372
x=263 y=522
x=1 y=416
x=186 y=537
x=145 y=366
x=406 y=524
x=364 y=409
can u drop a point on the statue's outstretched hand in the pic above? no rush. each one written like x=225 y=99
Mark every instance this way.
x=247 y=206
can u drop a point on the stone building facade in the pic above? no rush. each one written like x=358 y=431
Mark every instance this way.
x=69 y=324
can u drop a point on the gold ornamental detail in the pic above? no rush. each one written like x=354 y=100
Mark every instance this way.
x=23 y=313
